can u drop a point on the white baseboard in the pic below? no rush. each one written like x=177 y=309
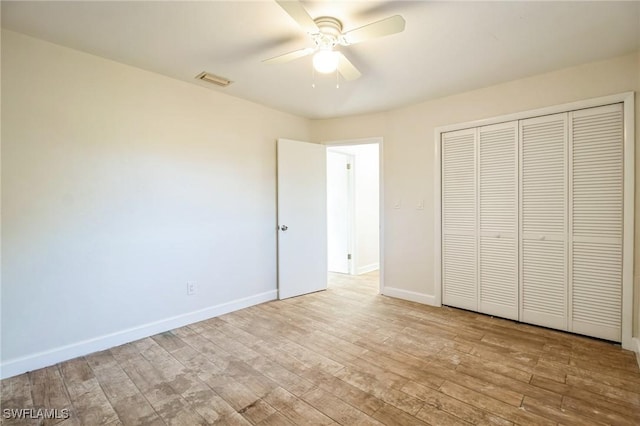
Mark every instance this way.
x=636 y=348
x=368 y=268
x=16 y=366
x=426 y=299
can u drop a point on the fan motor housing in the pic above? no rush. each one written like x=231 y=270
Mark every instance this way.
x=330 y=31
x=329 y=25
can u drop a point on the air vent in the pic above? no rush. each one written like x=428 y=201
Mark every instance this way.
x=211 y=78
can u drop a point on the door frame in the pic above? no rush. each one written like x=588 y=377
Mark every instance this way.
x=627 y=99
x=368 y=141
x=351 y=240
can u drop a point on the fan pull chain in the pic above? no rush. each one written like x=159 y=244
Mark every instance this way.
x=337 y=79
x=313 y=77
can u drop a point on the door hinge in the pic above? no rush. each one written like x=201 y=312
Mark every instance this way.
x=349 y=257
x=348 y=166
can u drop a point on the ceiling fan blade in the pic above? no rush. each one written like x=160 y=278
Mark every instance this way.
x=300 y=15
x=280 y=59
x=392 y=25
x=346 y=68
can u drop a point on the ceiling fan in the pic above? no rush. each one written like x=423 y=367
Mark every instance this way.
x=326 y=33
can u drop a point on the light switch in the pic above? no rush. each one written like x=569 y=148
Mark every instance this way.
x=397 y=203
x=420 y=205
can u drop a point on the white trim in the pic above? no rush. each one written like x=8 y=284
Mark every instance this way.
x=412 y=296
x=21 y=365
x=368 y=268
x=629 y=187
x=636 y=349
x=353 y=229
x=381 y=214
x=628 y=221
x=437 y=215
x=366 y=141
x=351 y=212
x=555 y=109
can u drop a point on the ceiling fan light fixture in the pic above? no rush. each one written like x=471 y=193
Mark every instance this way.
x=325 y=61
x=326 y=33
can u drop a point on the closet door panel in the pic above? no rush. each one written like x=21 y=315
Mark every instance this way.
x=544 y=286
x=596 y=305
x=498 y=285
x=459 y=272
x=543 y=209
x=498 y=206
x=459 y=235
x=596 y=209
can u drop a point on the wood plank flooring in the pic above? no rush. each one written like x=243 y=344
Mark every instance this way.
x=343 y=356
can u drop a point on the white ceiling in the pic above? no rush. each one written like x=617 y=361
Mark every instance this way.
x=447 y=47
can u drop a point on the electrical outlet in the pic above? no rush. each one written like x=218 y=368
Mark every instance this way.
x=192 y=288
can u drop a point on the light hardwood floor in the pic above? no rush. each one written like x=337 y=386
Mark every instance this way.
x=343 y=356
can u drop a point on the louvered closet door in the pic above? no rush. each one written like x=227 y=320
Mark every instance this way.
x=498 y=207
x=596 y=141
x=459 y=252
x=543 y=207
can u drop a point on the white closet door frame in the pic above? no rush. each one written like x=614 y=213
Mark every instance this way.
x=629 y=187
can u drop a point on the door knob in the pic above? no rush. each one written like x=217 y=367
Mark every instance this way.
x=284 y=227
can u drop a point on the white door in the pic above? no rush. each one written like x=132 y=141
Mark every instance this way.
x=339 y=166
x=459 y=245
x=302 y=218
x=498 y=219
x=543 y=206
x=595 y=216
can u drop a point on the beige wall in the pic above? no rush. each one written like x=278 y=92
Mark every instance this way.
x=409 y=153
x=119 y=186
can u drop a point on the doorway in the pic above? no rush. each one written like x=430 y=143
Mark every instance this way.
x=354 y=237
